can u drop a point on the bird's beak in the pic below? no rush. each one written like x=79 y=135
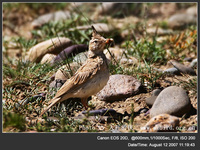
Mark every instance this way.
x=108 y=41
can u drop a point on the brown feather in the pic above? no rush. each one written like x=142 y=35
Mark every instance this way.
x=87 y=71
x=54 y=101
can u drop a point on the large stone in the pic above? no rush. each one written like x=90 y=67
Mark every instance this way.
x=51 y=46
x=119 y=87
x=100 y=27
x=55 y=16
x=192 y=10
x=173 y=100
x=179 y=21
x=69 y=52
x=161 y=123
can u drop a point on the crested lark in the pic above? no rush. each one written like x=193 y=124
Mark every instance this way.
x=90 y=78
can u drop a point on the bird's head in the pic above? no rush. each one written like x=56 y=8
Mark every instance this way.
x=97 y=43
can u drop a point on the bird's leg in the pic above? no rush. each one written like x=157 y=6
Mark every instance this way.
x=84 y=102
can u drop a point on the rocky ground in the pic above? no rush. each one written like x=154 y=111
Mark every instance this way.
x=153 y=64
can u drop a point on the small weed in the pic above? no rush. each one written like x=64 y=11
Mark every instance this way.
x=146 y=50
x=189 y=85
x=66 y=29
x=163 y=24
x=11 y=119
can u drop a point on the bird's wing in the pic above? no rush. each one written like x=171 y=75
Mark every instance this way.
x=83 y=74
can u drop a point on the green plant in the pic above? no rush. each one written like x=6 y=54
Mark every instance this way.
x=147 y=75
x=11 y=119
x=146 y=50
x=189 y=85
x=65 y=28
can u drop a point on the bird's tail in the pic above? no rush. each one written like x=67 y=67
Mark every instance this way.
x=53 y=102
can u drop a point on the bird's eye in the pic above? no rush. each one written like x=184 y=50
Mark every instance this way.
x=95 y=41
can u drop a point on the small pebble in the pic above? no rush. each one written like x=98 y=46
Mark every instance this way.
x=172 y=71
x=57 y=83
x=151 y=100
x=182 y=68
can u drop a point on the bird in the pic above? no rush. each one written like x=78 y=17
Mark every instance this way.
x=90 y=78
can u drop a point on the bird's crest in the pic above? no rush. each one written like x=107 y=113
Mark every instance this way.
x=95 y=33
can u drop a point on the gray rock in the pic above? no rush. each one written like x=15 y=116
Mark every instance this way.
x=192 y=10
x=69 y=52
x=193 y=63
x=57 y=83
x=143 y=110
x=81 y=57
x=188 y=59
x=56 y=16
x=119 y=87
x=151 y=100
x=172 y=71
x=156 y=92
x=172 y=100
x=182 y=68
x=178 y=21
